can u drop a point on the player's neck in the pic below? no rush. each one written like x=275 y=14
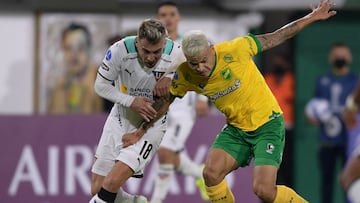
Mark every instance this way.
x=173 y=35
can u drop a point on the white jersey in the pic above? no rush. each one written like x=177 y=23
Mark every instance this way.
x=122 y=66
x=185 y=108
x=131 y=80
x=181 y=119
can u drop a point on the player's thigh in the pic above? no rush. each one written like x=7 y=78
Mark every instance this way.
x=138 y=155
x=218 y=164
x=227 y=153
x=264 y=176
x=118 y=175
x=269 y=142
x=232 y=141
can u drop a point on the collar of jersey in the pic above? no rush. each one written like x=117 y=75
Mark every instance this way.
x=213 y=69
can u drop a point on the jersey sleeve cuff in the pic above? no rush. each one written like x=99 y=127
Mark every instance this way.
x=257 y=42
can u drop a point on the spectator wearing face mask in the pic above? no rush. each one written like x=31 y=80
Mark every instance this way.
x=333 y=87
x=280 y=79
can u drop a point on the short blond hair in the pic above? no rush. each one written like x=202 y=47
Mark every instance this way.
x=194 y=42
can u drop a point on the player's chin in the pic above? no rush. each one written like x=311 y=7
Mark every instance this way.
x=150 y=65
x=203 y=74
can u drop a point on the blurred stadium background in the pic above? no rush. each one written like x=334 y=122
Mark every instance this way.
x=46 y=158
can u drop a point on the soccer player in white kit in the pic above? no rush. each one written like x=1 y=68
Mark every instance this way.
x=181 y=118
x=141 y=67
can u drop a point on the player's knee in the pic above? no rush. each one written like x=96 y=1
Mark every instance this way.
x=264 y=191
x=212 y=176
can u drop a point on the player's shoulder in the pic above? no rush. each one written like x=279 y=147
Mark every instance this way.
x=172 y=48
x=124 y=48
x=183 y=67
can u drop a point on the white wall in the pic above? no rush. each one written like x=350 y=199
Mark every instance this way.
x=17 y=63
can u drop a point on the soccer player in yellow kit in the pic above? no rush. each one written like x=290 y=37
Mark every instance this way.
x=227 y=75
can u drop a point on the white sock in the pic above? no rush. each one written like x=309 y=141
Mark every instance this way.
x=188 y=167
x=162 y=182
x=96 y=199
x=354 y=191
x=124 y=197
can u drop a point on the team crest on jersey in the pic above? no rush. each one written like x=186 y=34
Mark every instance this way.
x=158 y=74
x=228 y=58
x=226 y=74
x=108 y=55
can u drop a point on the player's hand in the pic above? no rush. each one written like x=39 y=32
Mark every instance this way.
x=142 y=106
x=323 y=10
x=131 y=138
x=162 y=87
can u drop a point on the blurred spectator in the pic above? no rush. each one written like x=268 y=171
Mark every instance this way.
x=74 y=91
x=332 y=90
x=280 y=79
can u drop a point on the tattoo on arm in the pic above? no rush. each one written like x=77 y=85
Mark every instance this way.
x=277 y=37
x=161 y=105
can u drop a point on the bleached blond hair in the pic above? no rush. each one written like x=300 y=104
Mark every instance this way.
x=194 y=42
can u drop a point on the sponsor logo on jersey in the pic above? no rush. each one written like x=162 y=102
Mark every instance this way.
x=158 y=74
x=226 y=73
x=225 y=92
x=130 y=73
x=108 y=55
x=140 y=92
x=270 y=148
x=228 y=58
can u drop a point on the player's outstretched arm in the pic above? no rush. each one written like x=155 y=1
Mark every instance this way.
x=321 y=12
x=161 y=105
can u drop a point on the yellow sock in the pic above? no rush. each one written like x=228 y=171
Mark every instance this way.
x=220 y=193
x=287 y=195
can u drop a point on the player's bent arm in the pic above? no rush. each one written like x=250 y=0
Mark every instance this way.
x=321 y=12
x=104 y=88
x=161 y=105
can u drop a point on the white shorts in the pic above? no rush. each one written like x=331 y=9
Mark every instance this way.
x=136 y=156
x=177 y=132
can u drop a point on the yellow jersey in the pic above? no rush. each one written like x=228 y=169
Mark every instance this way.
x=235 y=86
